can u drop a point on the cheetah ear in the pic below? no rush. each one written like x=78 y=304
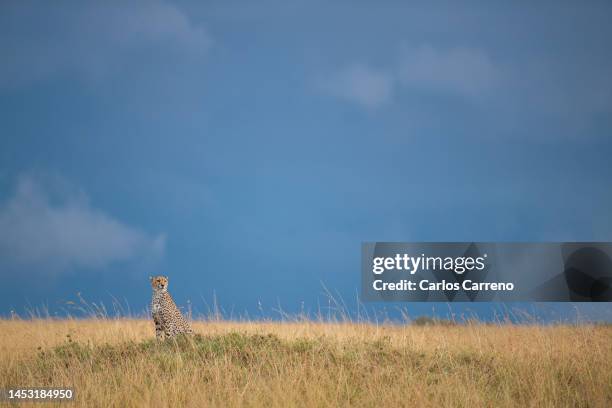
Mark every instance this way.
x=151 y=278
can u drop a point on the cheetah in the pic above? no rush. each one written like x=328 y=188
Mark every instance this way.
x=168 y=319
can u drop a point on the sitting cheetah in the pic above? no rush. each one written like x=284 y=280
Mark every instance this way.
x=168 y=319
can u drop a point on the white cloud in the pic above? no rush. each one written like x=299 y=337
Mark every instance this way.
x=550 y=94
x=460 y=70
x=360 y=84
x=56 y=231
x=94 y=40
x=463 y=71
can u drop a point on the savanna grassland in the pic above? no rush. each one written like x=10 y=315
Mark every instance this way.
x=118 y=363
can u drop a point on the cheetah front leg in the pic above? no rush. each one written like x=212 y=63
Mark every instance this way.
x=170 y=330
x=159 y=330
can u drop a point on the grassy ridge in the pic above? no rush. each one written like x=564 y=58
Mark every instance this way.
x=117 y=363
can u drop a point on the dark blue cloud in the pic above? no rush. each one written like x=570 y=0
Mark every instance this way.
x=266 y=143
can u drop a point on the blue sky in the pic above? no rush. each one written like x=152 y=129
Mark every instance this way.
x=248 y=149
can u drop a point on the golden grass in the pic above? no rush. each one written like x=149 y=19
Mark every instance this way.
x=117 y=363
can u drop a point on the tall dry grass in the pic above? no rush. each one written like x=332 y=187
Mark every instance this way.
x=117 y=362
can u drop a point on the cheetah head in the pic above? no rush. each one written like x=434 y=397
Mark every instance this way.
x=159 y=282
